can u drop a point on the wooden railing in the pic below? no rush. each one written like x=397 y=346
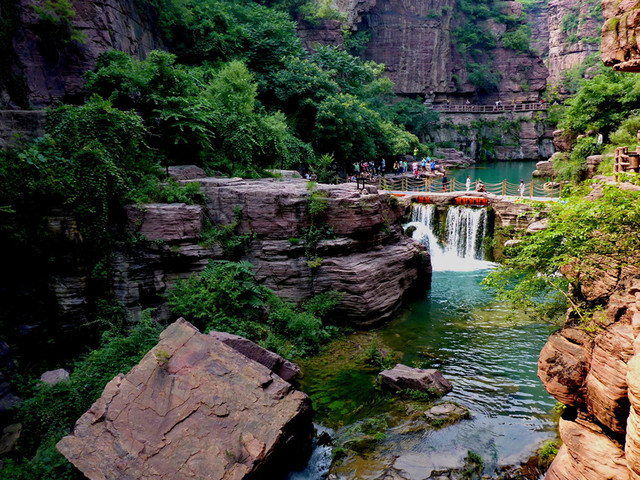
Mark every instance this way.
x=518 y=107
x=410 y=184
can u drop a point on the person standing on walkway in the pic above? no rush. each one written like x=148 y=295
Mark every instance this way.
x=445 y=182
x=468 y=184
x=521 y=188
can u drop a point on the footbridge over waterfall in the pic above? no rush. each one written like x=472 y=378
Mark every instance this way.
x=435 y=186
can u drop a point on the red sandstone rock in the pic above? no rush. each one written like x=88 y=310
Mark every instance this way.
x=55 y=72
x=166 y=222
x=563 y=365
x=587 y=454
x=186 y=172
x=619 y=46
x=402 y=377
x=274 y=362
x=562 y=140
x=192 y=408
x=606 y=382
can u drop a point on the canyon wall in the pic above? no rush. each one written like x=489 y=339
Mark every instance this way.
x=47 y=64
x=508 y=135
x=417 y=42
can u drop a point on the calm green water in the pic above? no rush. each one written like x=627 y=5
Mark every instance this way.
x=489 y=355
x=495 y=172
x=490 y=358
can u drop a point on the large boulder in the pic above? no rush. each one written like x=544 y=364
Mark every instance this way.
x=192 y=408
x=402 y=377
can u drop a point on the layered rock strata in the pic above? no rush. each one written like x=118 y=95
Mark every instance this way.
x=192 y=408
x=593 y=371
x=367 y=257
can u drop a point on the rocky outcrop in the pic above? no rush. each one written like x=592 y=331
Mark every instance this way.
x=544 y=169
x=574 y=34
x=51 y=377
x=51 y=67
x=369 y=260
x=594 y=371
x=619 y=47
x=366 y=256
x=527 y=139
x=192 y=408
x=402 y=377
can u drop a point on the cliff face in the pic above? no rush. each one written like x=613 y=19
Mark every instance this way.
x=49 y=65
x=368 y=259
x=620 y=48
x=574 y=35
x=417 y=43
x=594 y=371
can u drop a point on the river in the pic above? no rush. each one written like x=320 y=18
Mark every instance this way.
x=487 y=352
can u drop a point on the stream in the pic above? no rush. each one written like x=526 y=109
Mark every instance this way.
x=486 y=351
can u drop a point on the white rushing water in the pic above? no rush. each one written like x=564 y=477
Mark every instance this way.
x=318 y=466
x=465 y=229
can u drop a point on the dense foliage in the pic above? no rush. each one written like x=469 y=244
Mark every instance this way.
x=226 y=297
x=584 y=235
x=602 y=103
x=50 y=411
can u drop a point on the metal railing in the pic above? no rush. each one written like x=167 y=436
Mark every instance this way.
x=518 y=107
x=411 y=184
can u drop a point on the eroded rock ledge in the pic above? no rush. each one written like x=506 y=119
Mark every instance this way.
x=596 y=373
x=192 y=408
x=368 y=258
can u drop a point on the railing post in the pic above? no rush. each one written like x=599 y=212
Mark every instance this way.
x=531 y=189
x=403 y=184
x=504 y=187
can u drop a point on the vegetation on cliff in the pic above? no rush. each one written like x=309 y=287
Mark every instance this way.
x=584 y=235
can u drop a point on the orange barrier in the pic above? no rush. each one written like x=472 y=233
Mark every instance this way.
x=399 y=194
x=422 y=199
x=480 y=201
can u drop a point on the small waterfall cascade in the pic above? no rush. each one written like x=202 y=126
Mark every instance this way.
x=465 y=230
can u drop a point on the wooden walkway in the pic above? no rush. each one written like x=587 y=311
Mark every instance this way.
x=519 y=107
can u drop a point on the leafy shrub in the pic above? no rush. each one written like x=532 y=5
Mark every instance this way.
x=626 y=134
x=483 y=76
x=573 y=167
x=518 y=39
x=585 y=234
x=226 y=236
x=226 y=297
x=548 y=452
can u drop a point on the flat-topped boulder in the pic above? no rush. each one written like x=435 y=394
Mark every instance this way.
x=193 y=407
x=402 y=377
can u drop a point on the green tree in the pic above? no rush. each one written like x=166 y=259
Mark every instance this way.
x=582 y=236
x=602 y=103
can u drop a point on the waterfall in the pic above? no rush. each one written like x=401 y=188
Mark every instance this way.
x=465 y=230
